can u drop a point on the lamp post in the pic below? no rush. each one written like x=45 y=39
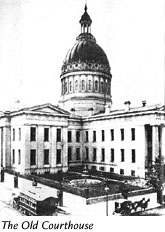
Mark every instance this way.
x=106 y=190
x=85 y=171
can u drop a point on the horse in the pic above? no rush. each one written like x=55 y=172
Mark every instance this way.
x=144 y=205
x=139 y=203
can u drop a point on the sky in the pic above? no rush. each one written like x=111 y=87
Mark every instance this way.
x=35 y=36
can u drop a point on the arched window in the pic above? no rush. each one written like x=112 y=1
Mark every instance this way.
x=63 y=89
x=90 y=85
x=66 y=89
x=70 y=86
x=102 y=86
x=76 y=85
x=96 y=86
x=106 y=87
x=83 y=85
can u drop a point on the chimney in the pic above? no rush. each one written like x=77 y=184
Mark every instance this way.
x=127 y=105
x=144 y=103
x=90 y=110
x=72 y=112
x=107 y=108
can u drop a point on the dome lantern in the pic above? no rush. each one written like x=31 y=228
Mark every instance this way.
x=85 y=22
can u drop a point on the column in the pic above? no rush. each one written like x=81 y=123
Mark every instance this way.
x=39 y=147
x=155 y=143
x=7 y=147
x=64 y=150
x=163 y=142
x=0 y=152
x=53 y=147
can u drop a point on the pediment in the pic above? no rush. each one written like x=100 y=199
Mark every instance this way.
x=48 y=108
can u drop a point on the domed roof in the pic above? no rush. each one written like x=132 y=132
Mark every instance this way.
x=86 y=54
x=86 y=50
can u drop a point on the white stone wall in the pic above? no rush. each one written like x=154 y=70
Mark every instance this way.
x=139 y=144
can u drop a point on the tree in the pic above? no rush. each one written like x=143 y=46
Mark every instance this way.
x=155 y=176
x=123 y=188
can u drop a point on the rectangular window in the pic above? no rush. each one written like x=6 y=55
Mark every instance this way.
x=13 y=156
x=32 y=157
x=122 y=134
x=83 y=85
x=13 y=134
x=112 y=155
x=133 y=134
x=58 y=135
x=19 y=136
x=46 y=134
x=132 y=173
x=94 y=136
x=133 y=156
x=102 y=86
x=90 y=84
x=70 y=86
x=78 y=153
x=69 y=136
x=32 y=134
x=112 y=134
x=86 y=136
x=87 y=153
x=121 y=171
x=122 y=155
x=58 y=156
x=46 y=156
x=102 y=135
x=69 y=153
x=19 y=156
x=102 y=155
x=76 y=85
x=77 y=136
x=112 y=170
x=94 y=154
x=101 y=168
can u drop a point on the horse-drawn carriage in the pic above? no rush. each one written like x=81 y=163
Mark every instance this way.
x=123 y=208
x=127 y=208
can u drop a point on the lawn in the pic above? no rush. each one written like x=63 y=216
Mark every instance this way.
x=88 y=190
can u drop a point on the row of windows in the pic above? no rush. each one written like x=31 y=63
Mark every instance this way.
x=58 y=160
x=70 y=136
x=46 y=157
x=94 y=157
x=112 y=170
x=46 y=134
x=14 y=155
x=104 y=87
x=112 y=135
x=14 y=134
x=70 y=153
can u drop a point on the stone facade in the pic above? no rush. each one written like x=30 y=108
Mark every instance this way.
x=47 y=138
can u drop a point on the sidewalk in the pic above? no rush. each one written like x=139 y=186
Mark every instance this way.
x=7 y=193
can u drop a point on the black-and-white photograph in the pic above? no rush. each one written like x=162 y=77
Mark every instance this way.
x=82 y=109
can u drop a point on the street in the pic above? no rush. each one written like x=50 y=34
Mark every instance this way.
x=6 y=210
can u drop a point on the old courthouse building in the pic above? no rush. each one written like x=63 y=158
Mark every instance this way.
x=83 y=128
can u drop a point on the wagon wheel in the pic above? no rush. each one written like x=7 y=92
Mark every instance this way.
x=125 y=212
